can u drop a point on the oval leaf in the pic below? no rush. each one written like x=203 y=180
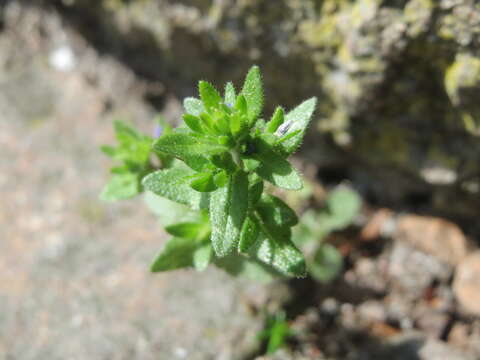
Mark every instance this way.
x=228 y=209
x=253 y=92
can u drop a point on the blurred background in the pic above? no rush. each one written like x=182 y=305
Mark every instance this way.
x=397 y=127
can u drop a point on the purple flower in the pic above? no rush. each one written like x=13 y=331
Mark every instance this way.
x=157 y=131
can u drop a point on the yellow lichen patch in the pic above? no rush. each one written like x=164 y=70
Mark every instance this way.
x=462 y=81
x=417 y=14
x=464 y=72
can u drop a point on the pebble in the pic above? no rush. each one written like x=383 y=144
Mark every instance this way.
x=466 y=284
x=435 y=236
x=411 y=271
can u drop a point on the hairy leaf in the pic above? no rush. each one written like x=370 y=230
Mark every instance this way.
x=276 y=121
x=203 y=182
x=248 y=235
x=255 y=192
x=193 y=122
x=275 y=248
x=193 y=106
x=221 y=179
x=250 y=268
x=253 y=92
x=297 y=119
x=228 y=208
x=177 y=254
x=190 y=149
x=121 y=186
x=210 y=97
x=230 y=96
x=202 y=256
x=275 y=212
x=224 y=161
x=189 y=230
x=275 y=169
x=173 y=184
x=241 y=105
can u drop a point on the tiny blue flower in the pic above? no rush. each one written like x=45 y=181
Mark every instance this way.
x=157 y=131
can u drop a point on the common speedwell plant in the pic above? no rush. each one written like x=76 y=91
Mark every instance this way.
x=224 y=154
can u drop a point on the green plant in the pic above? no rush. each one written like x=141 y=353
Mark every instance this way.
x=324 y=261
x=276 y=332
x=223 y=154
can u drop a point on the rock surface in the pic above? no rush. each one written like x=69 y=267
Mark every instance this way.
x=435 y=236
x=467 y=283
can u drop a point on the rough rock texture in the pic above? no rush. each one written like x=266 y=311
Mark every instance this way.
x=397 y=80
x=466 y=284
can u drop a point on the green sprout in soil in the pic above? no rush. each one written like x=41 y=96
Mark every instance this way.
x=276 y=332
x=217 y=164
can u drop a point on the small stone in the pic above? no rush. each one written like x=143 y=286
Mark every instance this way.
x=412 y=271
x=371 y=311
x=413 y=345
x=435 y=236
x=433 y=323
x=466 y=284
x=459 y=335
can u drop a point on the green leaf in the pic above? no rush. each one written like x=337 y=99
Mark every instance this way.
x=125 y=132
x=297 y=119
x=248 y=235
x=275 y=248
x=224 y=161
x=275 y=212
x=193 y=106
x=203 y=182
x=173 y=184
x=228 y=208
x=241 y=105
x=134 y=148
x=343 y=205
x=327 y=263
x=221 y=121
x=177 y=254
x=189 y=230
x=276 y=121
x=121 y=186
x=230 y=96
x=253 y=92
x=253 y=269
x=167 y=211
x=210 y=97
x=238 y=125
x=221 y=179
x=255 y=192
x=202 y=256
x=108 y=150
x=190 y=149
x=193 y=123
x=276 y=333
x=275 y=169
x=250 y=164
